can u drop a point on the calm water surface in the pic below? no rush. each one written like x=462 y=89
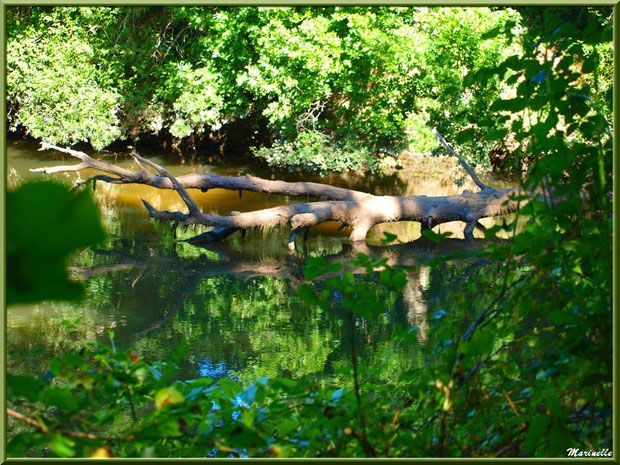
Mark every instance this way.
x=235 y=303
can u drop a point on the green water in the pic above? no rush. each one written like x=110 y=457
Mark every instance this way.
x=235 y=303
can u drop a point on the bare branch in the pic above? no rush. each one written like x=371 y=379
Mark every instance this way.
x=464 y=164
x=87 y=162
x=31 y=421
x=194 y=211
x=41 y=427
x=204 y=181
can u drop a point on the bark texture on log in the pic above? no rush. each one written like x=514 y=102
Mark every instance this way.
x=357 y=209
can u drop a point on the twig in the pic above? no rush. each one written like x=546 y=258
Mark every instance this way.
x=202 y=181
x=514 y=408
x=31 y=421
x=511 y=403
x=44 y=429
x=362 y=438
x=87 y=162
x=442 y=433
x=464 y=164
x=365 y=443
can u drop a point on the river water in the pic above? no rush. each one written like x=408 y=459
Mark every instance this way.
x=235 y=303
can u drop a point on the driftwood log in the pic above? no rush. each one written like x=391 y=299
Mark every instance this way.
x=356 y=209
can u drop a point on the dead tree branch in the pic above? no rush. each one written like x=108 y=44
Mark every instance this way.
x=357 y=209
x=462 y=161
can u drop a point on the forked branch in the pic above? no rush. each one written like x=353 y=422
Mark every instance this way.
x=359 y=210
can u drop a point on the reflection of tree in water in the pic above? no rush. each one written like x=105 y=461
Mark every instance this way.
x=413 y=298
x=238 y=308
x=289 y=353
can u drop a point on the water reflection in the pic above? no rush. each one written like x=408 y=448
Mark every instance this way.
x=413 y=297
x=236 y=306
x=208 y=368
x=236 y=302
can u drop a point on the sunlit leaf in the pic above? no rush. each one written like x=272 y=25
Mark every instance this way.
x=168 y=396
x=62 y=446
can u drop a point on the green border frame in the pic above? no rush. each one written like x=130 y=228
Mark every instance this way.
x=473 y=3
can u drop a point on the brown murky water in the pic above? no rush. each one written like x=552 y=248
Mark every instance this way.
x=234 y=302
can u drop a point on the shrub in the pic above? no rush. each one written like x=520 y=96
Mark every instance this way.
x=315 y=152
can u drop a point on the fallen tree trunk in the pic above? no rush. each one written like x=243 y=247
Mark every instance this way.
x=359 y=210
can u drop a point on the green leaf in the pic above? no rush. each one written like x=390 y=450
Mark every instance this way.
x=560 y=439
x=589 y=64
x=168 y=396
x=490 y=232
x=20 y=444
x=465 y=347
x=62 y=446
x=469 y=79
x=286 y=427
x=123 y=377
x=311 y=272
x=388 y=237
x=514 y=62
x=333 y=267
x=535 y=433
x=562 y=317
x=242 y=437
x=23 y=386
x=513 y=105
x=316 y=261
x=306 y=293
x=433 y=236
x=384 y=275
x=60 y=398
x=283 y=383
x=496 y=134
x=248 y=417
x=169 y=427
x=491 y=33
x=229 y=386
x=398 y=280
x=46 y=222
x=482 y=341
x=465 y=136
x=554 y=405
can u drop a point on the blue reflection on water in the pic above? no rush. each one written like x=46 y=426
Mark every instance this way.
x=210 y=369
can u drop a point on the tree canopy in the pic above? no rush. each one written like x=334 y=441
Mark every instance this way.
x=517 y=355
x=349 y=83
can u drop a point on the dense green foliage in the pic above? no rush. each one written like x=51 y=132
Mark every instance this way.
x=61 y=87
x=518 y=357
x=360 y=77
x=313 y=151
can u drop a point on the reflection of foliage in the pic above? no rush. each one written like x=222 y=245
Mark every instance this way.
x=286 y=354
x=53 y=335
x=116 y=381
x=391 y=360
